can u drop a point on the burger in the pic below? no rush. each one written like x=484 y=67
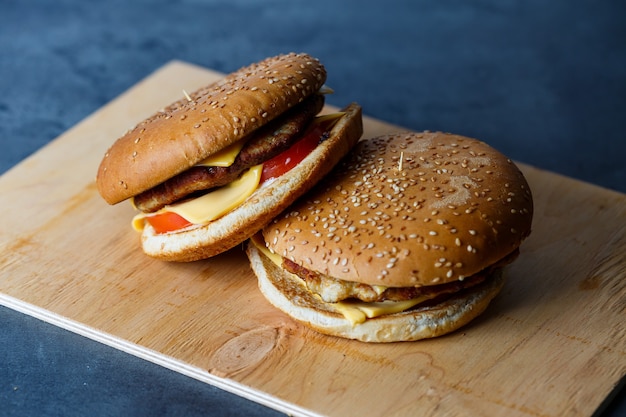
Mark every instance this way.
x=407 y=239
x=211 y=169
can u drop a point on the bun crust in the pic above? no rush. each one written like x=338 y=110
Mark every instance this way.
x=408 y=209
x=291 y=296
x=259 y=209
x=217 y=115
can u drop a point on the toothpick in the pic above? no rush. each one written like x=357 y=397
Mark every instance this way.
x=401 y=161
x=187 y=96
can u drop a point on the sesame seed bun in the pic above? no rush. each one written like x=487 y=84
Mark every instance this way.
x=433 y=216
x=409 y=210
x=257 y=210
x=208 y=120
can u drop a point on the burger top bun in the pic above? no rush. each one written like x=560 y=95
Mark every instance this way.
x=210 y=119
x=408 y=210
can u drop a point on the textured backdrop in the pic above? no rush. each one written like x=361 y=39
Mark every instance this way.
x=543 y=81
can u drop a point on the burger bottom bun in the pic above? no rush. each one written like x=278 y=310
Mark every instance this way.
x=262 y=206
x=289 y=294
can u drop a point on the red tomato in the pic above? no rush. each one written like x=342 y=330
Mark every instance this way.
x=288 y=159
x=167 y=222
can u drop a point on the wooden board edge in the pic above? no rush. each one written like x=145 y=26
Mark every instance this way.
x=155 y=357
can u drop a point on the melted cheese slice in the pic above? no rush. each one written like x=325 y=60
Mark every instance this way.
x=260 y=245
x=355 y=311
x=225 y=157
x=358 y=311
x=213 y=205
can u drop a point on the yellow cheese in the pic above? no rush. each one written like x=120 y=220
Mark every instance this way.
x=358 y=311
x=379 y=289
x=213 y=205
x=326 y=90
x=330 y=117
x=260 y=245
x=354 y=311
x=352 y=314
x=225 y=157
x=388 y=307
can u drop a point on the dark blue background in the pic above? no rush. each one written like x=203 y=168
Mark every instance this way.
x=543 y=81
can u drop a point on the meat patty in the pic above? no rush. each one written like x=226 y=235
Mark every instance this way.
x=261 y=146
x=332 y=290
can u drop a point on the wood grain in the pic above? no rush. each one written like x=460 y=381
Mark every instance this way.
x=552 y=344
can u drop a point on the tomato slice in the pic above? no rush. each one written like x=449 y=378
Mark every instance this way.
x=167 y=222
x=291 y=157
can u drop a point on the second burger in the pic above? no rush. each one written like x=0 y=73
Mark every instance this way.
x=213 y=168
x=407 y=239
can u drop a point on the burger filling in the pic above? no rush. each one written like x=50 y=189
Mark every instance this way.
x=218 y=170
x=333 y=290
x=212 y=188
x=357 y=302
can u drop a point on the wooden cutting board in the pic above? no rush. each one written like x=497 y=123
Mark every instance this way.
x=552 y=344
